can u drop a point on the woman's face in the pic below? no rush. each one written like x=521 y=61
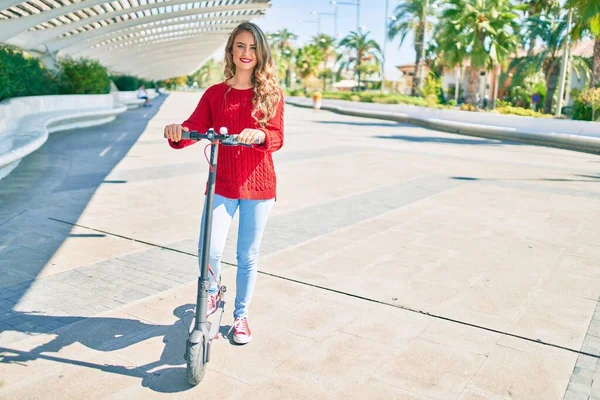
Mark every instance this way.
x=244 y=51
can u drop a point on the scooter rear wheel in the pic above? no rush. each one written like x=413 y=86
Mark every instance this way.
x=196 y=367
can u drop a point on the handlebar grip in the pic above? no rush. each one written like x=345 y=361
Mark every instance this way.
x=187 y=135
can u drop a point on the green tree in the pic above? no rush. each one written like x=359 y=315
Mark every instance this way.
x=485 y=31
x=551 y=28
x=23 y=75
x=82 y=76
x=367 y=52
x=308 y=59
x=588 y=20
x=282 y=48
x=209 y=73
x=409 y=17
x=326 y=44
x=536 y=8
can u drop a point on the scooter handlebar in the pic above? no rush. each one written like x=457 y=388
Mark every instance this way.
x=224 y=138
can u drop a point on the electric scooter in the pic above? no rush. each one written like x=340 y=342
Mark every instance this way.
x=203 y=328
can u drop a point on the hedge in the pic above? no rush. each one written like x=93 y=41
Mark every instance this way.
x=129 y=82
x=82 y=76
x=22 y=75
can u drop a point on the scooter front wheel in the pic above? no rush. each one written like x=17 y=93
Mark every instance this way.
x=196 y=365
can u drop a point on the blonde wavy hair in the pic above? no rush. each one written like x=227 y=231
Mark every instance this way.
x=266 y=91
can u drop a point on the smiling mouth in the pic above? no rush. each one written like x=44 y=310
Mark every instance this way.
x=246 y=60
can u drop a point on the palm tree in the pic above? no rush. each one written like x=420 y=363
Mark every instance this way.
x=483 y=32
x=281 y=43
x=409 y=17
x=308 y=59
x=446 y=59
x=210 y=72
x=588 y=12
x=535 y=8
x=552 y=30
x=327 y=45
x=367 y=51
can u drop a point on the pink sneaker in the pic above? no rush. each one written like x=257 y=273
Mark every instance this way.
x=241 y=331
x=211 y=304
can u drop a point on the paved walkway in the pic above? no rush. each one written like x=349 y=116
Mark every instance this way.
x=399 y=262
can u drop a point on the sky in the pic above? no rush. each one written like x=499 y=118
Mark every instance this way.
x=288 y=13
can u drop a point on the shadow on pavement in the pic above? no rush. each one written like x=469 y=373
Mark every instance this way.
x=166 y=375
x=594 y=179
x=56 y=181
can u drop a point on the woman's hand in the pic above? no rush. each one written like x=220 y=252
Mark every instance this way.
x=251 y=136
x=173 y=132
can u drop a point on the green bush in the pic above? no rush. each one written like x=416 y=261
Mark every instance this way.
x=386 y=100
x=432 y=88
x=337 y=95
x=376 y=97
x=587 y=105
x=525 y=112
x=582 y=111
x=82 y=76
x=451 y=103
x=415 y=101
x=297 y=92
x=22 y=75
x=468 y=107
x=368 y=97
x=129 y=82
x=503 y=103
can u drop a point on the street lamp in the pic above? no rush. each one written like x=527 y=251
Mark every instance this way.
x=318 y=14
x=385 y=21
x=422 y=59
x=345 y=3
x=563 y=66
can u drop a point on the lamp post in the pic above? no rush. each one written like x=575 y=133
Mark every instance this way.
x=385 y=36
x=563 y=66
x=422 y=59
x=345 y=3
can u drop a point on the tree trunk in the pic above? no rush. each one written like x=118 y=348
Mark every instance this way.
x=457 y=86
x=419 y=36
x=551 y=71
x=532 y=44
x=473 y=87
x=595 y=79
x=359 y=55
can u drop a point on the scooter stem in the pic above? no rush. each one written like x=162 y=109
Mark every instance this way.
x=203 y=281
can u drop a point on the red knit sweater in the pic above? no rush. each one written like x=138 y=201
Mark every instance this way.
x=242 y=172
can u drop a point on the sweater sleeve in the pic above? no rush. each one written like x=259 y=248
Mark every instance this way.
x=200 y=121
x=274 y=130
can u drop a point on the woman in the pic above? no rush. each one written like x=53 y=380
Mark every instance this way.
x=250 y=103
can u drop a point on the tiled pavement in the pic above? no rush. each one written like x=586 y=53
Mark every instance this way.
x=428 y=265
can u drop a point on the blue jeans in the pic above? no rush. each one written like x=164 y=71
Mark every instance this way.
x=253 y=219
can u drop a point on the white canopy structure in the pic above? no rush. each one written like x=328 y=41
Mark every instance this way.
x=153 y=39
